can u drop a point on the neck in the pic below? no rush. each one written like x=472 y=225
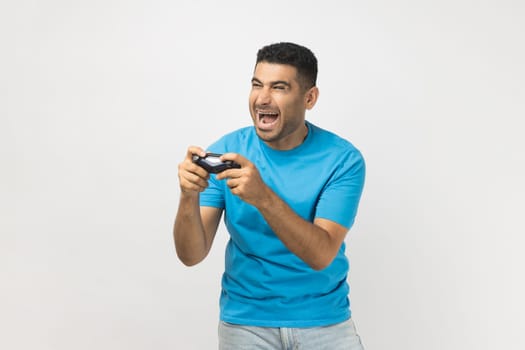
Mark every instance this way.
x=291 y=141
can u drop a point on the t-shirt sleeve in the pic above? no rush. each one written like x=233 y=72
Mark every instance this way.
x=213 y=195
x=339 y=199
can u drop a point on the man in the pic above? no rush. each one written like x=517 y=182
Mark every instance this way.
x=287 y=210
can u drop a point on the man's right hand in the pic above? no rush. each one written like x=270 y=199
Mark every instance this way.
x=192 y=178
x=195 y=226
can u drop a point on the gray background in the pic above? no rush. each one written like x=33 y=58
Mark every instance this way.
x=100 y=99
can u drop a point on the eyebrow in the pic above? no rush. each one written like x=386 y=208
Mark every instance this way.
x=273 y=83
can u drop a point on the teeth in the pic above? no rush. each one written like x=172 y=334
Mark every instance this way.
x=267 y=113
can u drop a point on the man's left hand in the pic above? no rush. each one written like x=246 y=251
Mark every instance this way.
x=245 y=182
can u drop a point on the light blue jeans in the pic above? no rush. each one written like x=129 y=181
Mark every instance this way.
x=341 y=336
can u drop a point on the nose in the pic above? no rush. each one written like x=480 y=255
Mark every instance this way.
x=263 y=97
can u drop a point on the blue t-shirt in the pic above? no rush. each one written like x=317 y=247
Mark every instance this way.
x=264 y=283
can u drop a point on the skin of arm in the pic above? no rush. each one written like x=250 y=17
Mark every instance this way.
x=195 y=227
x=315 y=243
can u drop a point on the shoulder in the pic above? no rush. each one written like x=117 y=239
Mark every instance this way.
x=239 y=134
x=335 y=144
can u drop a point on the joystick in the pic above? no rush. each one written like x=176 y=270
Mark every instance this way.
x=212 y=163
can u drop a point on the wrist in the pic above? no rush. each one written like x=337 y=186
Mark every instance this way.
x=189 y=195
x=267 y=200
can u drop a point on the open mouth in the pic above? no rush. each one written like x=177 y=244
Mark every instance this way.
x=266 y=119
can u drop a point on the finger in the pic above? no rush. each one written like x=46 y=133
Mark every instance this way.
x=195 y=150
x=229 y=173
x=198 y=170
x=188 y=166
x=237 y=158
x=232 y=183
x=193 y=181
x=198 y=180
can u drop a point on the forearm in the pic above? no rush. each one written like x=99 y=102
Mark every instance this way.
x=310 y=242
x=188 y=231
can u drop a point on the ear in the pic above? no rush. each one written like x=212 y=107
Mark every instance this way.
x=310 y=98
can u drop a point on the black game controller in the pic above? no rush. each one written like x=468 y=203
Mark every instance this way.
x=212 y=163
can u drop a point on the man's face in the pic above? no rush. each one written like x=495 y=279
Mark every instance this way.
x=278 y=104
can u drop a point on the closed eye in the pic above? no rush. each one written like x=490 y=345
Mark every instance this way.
x=281 y=85
x=256 y=83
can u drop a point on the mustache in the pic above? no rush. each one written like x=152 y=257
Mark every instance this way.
x=266 y=109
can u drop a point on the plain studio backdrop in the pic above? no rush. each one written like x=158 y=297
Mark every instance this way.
x=99 y=101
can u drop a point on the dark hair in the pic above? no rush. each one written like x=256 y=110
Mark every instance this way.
x=294 y=55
